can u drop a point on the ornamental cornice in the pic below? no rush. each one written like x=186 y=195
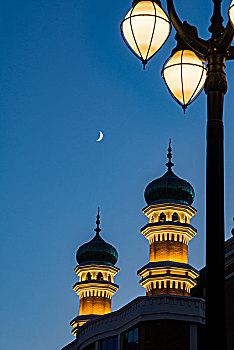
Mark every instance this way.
x=188 y=209
x=95 y=284
x=166 y=265
x=89 y=267
x=159 y=229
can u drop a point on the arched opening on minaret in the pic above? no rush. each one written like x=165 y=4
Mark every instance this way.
x=162 y=217
x=100 y=276
x=88 y=276
x=109 y=278
x=175 y=217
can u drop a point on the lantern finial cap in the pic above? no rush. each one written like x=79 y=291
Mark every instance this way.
x=158 y=2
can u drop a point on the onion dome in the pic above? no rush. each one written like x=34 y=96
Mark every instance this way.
x=169 y=187
x=97 y=251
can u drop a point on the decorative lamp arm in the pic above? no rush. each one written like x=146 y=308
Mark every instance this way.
x=226 y=38
x=197 y=44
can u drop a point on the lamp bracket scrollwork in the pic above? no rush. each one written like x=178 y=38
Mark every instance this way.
x=220 y=41
x=195 y=43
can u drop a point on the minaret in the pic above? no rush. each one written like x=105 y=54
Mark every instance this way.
x=169 y=231
x=96 y=271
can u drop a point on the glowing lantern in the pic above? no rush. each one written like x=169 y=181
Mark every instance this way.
x=231 y=12
x=184 y=74
x=145 y=29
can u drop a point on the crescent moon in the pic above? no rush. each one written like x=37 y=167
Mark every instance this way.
x=100 y=136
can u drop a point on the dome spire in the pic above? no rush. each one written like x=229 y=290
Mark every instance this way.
x=97 y=251
x=169 y=156
x=97 y=229
x=169 y=187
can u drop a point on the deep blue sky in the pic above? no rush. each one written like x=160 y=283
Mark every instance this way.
x=65 y=75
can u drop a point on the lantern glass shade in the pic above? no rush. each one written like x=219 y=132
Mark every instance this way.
x=184 y=74
x=145 y=29
x=231 y=12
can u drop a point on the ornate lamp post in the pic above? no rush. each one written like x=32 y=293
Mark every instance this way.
x=186 y=61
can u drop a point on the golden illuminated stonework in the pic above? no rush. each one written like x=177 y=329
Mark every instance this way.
x=96 y=272
x=169 y=231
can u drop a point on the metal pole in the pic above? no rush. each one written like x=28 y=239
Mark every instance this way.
x=215 y=88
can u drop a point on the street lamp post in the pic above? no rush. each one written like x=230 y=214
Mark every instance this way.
x=214 y=52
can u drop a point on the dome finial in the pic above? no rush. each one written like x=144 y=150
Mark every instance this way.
x=97 y=229
x=169 y=156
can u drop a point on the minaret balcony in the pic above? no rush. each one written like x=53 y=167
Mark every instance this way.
x=168 y=231
x=78 y=321
x=95 y=288
x=179 y=286
x=167 y=267
x=166 y=275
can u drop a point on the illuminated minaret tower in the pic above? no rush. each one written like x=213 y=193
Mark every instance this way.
x=96 y=271
x=169 y=231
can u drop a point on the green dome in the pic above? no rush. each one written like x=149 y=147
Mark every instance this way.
x=171 y=188
x=97 y=251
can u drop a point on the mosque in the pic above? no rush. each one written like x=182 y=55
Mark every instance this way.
x=172 y=313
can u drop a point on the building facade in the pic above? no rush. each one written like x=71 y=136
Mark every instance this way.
x=149 y=322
